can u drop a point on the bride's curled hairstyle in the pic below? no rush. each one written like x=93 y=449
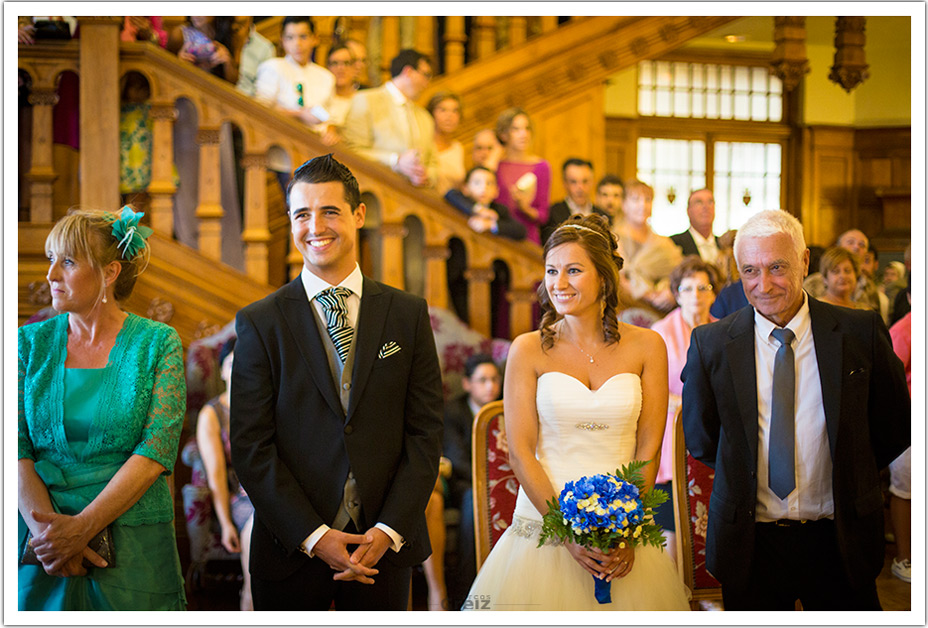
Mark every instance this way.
x=594 y=235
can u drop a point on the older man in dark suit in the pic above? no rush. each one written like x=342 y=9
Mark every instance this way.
x=698 y=239
x=797 y=405
x=336 y=417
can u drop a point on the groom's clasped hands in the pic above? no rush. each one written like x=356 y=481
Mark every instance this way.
x=359 y=564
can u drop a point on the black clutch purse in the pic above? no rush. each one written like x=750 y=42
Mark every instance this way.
x=102 y=544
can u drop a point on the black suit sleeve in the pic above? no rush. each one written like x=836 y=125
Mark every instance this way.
x=283 y=506
x=506 y=225
x=457 y=441
x=701 y=423
x=890 y=405
x=462 y=203
x=409 y=492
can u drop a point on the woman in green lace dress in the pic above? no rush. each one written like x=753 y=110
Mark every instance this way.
x=101 y=406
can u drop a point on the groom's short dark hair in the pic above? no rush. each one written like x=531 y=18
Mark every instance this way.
x=324 y=169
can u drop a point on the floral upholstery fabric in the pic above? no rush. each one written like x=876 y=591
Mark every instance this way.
x=699 y=477
x=502 y=485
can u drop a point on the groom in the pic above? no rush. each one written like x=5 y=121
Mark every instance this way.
x=336 y=417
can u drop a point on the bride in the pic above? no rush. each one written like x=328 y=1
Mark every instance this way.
x=583 y=395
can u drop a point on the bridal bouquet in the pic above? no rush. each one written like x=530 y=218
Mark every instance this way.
x=604 y=511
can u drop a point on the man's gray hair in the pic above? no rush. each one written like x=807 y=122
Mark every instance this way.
x=770 y=222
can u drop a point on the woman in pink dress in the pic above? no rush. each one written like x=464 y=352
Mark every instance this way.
x=695 y=284
x=523 y=177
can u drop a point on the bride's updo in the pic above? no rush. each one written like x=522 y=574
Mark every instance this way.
x=594 y=235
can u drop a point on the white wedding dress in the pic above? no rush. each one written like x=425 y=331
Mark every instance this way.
x=581 y=432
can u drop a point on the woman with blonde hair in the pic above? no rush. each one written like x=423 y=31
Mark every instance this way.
x=101 y=406
x=840 y=271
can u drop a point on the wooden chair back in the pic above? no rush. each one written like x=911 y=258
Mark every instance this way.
x=692 y=486
x=494 y=482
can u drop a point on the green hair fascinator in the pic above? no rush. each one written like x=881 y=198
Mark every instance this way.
x=130 y=235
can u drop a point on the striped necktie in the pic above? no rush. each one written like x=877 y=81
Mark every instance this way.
x=336 y=319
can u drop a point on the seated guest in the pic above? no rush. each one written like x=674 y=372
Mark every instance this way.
x=610 y=192
x=868 y=269
x=206 y=42
x=293 y=84
x=698 y=239
x=477 y=202
x=482 y=384
x=359 y=54
x=232 y=506
x=386 y=125
x=578 y=181
x=341 y=65
x=101 y=408
x=840 y=270
x=649 y=258
x=524 y=178
x=901 y=305
x=730 y=299
x=251 y=49
x=445 y=107
x=695 y=284
x=866 y=292
x=893 y=280
x=731 y=296
x=487 y=150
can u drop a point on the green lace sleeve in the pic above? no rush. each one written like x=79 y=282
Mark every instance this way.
x=161 y=434
x=25 y=443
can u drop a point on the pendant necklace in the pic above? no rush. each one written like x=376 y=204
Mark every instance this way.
x=577 y=344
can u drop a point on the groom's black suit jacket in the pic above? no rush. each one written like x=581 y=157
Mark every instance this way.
x=292 y=444
x=867 y=416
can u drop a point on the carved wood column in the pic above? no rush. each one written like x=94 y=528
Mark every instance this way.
x=518 y=30
x=478 y=298
x=483 y=29
x=256 y=234
x=325 y=25
x=548 y=23
x=209 y=209
x=99 y=111
x=389 y=44
x=436 y=274
x=357 y=28
x=520 y=311
x=162 y=188
x=42 y=173
x=391 y=250
x=425 y=38
x=454 y=43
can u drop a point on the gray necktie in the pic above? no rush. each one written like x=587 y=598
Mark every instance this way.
x=336 y=319
x=782 y=474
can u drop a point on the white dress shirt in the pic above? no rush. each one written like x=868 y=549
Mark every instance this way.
x=708 y=248
x=812 y=498
x=313 y=286
x=277 y=80
x=577 y=210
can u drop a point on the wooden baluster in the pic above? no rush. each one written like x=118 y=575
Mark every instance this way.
x=484 y=32
x=436 y=274
x=99 y=111
x=357 y=28
x=390 y=44
x=478 y=298
x=392 y=235
x=454 y=43
x=256 y=234
x=425 y=38
x=518 y=30
x=520 y=311
x=42 y=173
x=325 y=25
x=162 y=188
x=548 y=23
x=209 y=209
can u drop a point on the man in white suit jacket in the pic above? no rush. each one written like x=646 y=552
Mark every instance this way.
x=386 y=125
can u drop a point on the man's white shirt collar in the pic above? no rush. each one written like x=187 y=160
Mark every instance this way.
x=313 y=285
x=700 y=241
x=398 y=97
x=799 y=324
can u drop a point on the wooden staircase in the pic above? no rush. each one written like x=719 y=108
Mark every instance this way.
x=193 y=290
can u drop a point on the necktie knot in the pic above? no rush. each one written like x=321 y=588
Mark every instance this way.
x=784 y=335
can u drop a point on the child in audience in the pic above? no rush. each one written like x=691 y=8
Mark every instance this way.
x=476 y=201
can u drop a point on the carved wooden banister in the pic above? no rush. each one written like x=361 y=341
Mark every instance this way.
x=217 y=102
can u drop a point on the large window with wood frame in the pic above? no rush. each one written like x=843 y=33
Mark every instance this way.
x=710 y=124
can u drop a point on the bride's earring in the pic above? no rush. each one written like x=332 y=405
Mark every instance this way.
x=104 y=298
